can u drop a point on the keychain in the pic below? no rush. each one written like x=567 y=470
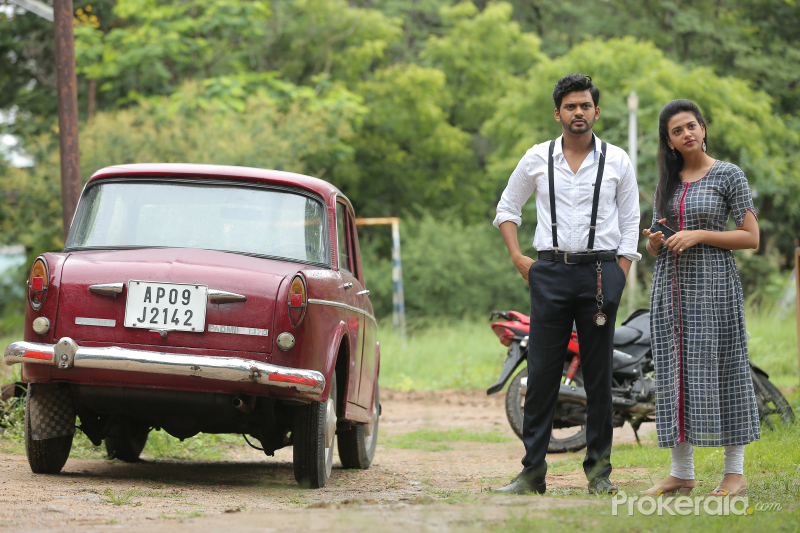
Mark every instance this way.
x=600 y=318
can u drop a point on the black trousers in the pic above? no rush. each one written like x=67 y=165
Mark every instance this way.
x=561 y=294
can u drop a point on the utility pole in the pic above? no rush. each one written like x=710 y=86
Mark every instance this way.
x=633 y=107
x=66 y=87
x=61 y=14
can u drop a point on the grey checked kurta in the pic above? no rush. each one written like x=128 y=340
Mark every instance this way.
x=697 y=323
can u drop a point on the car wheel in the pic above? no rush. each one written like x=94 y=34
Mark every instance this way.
x=313 y=437
x=126 y=441
x=45 y=456
x=357 y=445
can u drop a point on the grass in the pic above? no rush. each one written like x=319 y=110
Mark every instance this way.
x=466 y=354
x=773 y=345
x=160 y=445
x=772 y=469
x=180 y=515
x=459 y=355
x=600 y=520
x=9 y=374
x=202 y=447
x=121 y=497
x=434 y=441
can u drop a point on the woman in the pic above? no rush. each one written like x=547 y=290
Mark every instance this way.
x=704 y=392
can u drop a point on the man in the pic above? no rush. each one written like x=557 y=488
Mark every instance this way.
x=576 y=278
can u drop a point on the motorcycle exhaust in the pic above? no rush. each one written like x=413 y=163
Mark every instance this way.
x=572 y=394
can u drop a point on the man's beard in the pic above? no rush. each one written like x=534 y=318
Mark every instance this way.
x=580 y=128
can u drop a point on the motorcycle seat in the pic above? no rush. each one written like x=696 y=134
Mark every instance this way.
x=641 y=323
x=625 y=335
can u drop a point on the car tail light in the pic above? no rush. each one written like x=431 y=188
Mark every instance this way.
x=37 y=283
x=504 y=334
x=296 y=304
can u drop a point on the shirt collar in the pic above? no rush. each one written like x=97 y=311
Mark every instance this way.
x=558 y=149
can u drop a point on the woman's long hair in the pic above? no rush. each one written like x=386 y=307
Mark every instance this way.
x=670 y=162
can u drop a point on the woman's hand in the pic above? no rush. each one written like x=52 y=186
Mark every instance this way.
x=655 y=239
x=682 y=241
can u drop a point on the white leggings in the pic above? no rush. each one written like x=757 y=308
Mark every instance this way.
x=683 y=460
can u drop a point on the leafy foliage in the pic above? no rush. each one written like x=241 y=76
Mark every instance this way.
x=449 y=269
x=411 y=107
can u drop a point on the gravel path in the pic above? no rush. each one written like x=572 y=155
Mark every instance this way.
x=250 y=492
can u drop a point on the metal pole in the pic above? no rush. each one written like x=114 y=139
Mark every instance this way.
x=398 y=301
x=66 y=86
x=36 y=7
x=797 y=288
x=633 y=107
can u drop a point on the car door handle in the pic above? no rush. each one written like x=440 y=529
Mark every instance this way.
x=365 y=292
x=348 y=285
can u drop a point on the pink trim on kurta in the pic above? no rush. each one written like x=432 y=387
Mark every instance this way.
x=681 y=414
x=745 y=214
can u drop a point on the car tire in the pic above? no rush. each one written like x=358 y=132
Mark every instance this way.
x=46 y=456
x=357 y=445
x=313 y=440
x=126 y=441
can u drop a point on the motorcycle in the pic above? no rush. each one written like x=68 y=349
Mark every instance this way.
x=633 y=384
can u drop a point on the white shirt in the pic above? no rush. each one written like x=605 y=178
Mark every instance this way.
x=617 y=210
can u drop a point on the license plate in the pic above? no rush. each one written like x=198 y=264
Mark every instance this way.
x=167 y=306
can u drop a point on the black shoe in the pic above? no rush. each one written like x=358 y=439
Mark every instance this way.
x=522 y=485
x=601 y=485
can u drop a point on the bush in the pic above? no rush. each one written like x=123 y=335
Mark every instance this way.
x=450 y=269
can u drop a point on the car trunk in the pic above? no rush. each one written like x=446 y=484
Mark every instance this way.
x=86 y=316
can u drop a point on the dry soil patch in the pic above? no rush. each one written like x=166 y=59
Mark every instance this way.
x=248 y=491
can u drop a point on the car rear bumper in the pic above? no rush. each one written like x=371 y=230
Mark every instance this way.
x=67 y=354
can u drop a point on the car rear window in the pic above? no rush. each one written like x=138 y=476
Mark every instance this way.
x=242 y=219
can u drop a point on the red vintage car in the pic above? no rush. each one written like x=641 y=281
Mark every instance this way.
x=201 y=298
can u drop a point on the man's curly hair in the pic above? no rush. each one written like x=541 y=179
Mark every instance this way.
x=573 y=83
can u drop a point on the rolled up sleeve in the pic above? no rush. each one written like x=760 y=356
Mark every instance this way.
x=628 y=212
x=519 y=189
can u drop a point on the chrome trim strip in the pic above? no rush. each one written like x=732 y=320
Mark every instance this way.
x=238 y=330
x=233 y=369
x=224 y=297
x=343 y=306
x=105 y=322
x=107 y=289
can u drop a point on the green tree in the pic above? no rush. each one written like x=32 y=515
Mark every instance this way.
x=407 y=152
x=756 y=40
x=296 y=136
x=741 y=125
x=480 y=53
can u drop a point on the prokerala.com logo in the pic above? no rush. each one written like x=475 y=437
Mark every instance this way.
x=621 y=503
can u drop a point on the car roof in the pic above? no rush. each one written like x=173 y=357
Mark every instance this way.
x=275 y=177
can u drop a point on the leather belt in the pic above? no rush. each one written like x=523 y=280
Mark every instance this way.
x=573 y=258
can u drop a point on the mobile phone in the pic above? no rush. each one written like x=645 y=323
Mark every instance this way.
x=665 y=231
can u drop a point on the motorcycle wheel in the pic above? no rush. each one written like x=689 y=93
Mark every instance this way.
x=772 y=406
x=572 y=442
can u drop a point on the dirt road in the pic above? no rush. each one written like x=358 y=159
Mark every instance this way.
x=405 y=489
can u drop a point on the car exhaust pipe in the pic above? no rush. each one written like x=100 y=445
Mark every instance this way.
x=241 y=405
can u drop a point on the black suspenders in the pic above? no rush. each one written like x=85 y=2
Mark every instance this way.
x=595 y=201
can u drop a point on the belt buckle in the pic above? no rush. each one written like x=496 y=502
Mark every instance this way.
x=567 y=262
